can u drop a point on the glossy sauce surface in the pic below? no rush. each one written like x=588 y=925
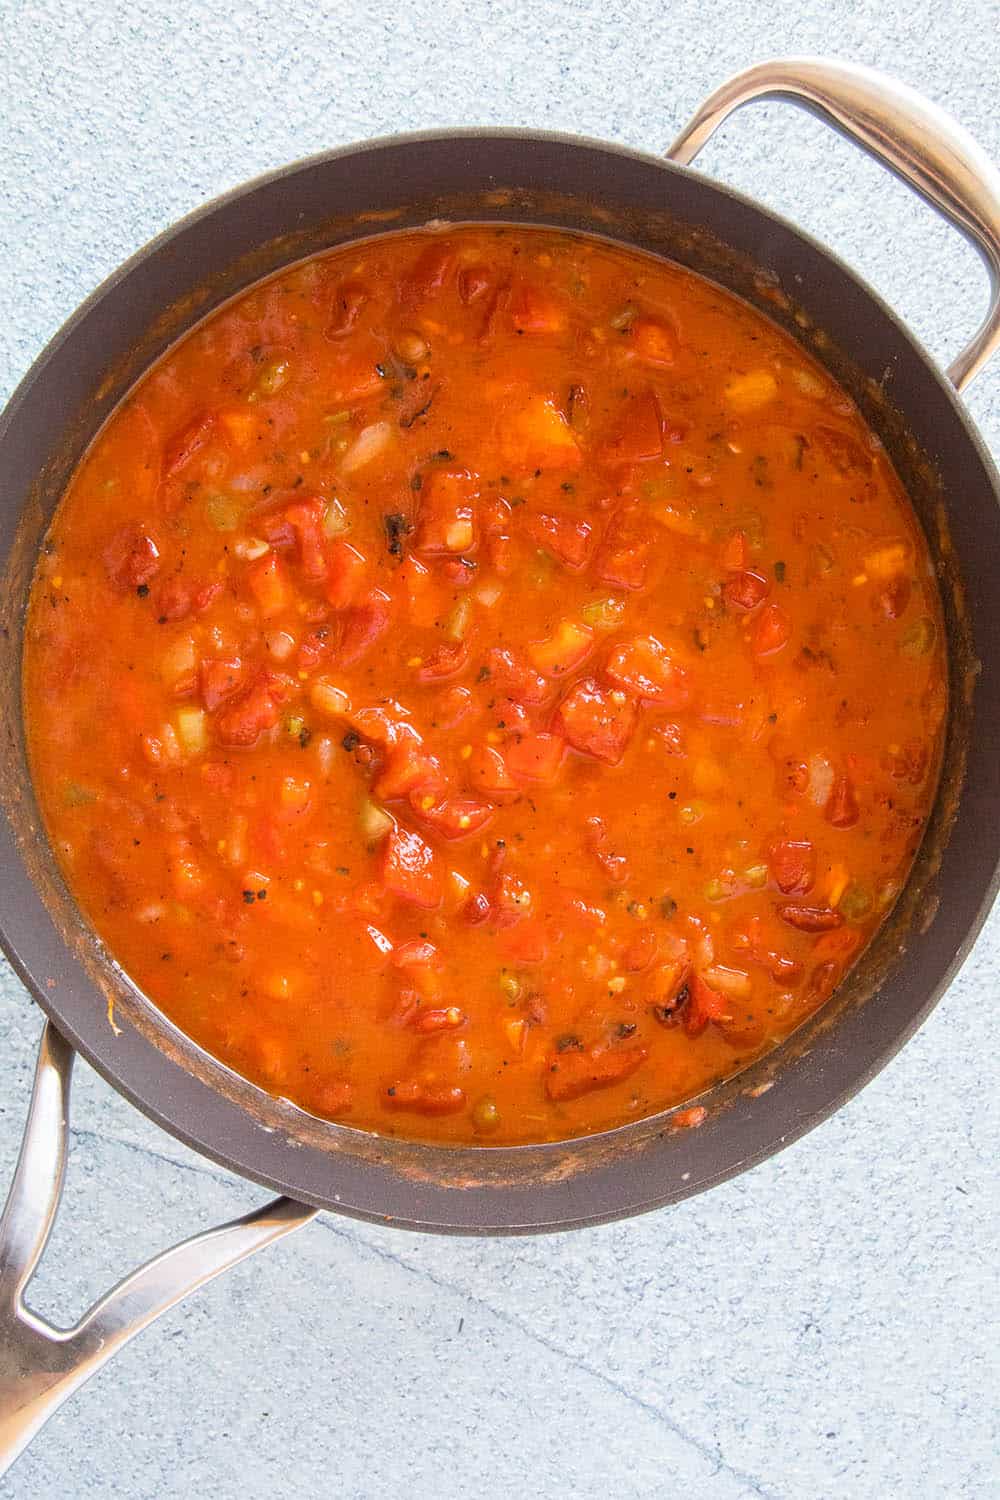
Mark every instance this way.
x=485 y=685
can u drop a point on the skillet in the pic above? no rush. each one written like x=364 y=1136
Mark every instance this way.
x=660 y=206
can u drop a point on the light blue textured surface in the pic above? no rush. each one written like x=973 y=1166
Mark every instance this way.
x=818 y=1328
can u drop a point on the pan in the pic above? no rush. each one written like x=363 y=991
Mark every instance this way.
x=661 y=206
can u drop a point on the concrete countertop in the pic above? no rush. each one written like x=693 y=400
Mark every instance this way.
x=819 y=1327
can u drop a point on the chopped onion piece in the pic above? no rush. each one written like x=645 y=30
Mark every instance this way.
x=489 y=593
x=250 y=549
x=734 y=982
x=336 y=520
x=375 y=821
x=820 y=780
x=703 y=950
x=326 y=751
x=458 y=619
x=329 y=700
x=279 y=643
x=369 y=443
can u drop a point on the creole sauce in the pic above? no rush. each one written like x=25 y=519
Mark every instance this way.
x=485 y=685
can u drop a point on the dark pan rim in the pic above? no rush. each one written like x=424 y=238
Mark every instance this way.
x=596 y=1195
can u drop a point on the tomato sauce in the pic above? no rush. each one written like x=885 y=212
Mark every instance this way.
x=485 y=684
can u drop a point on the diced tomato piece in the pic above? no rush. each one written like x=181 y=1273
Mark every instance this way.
x=488 y=773
x=533 y=310
x=183 y=446
x=573 y=1073
x=638 y=434
x=177 y=599
x=416 y=953
x=173 y=600
x=424 y=1098
x=219 y=679
x=745 y=590
x=772 y=630
x=597 y=721
x=432 y=1019
x=457 y=572
x=455 y=817
x=355 y=376
x=535 y=757
x=843 y=450
x=131 y=558
x=205 y=594
x=563 y=650
x=516 y=678
x=641 y=951
x=534 y=434
x=428 y=274
x=268 y=582
x=526 y=943
x=837 y=943
x=644 y=667
x=842 y=805
x=625 y=554
x=494 y=514
x=219 y=776
x=750 y=939
x=445 y=661
x=245 y=720
x=569 y=539
x=408 y=768
x=382 y=724
x=477 y=909
x=501 y=553
x=587 y=912
x=347 y=570
x=453 y=704
x=414 y=577
x=734 y=553
x=653 y=341
x=614 y=864
x=363 y=625
x=703 y=1006
x=793 y=865
x=446 y=520
x=810 y=918
x=315 y=646
x=410 y=869
x=302 y=523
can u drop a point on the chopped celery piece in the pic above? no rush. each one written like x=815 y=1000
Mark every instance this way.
x=457 y=621
x=604 y=614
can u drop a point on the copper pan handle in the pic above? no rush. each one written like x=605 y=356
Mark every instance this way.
x=40 y=1365
x=915 y=139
